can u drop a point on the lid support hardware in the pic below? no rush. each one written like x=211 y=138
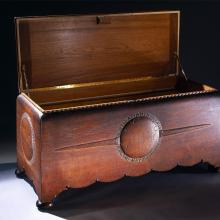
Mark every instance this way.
x=23 y=73
x=183 y=74
x=103 y=20
x=20 y=83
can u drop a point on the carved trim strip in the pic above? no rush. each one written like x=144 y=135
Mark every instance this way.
x=116 y=141
x=183 y=129
x=130 y=101
x=94 y=144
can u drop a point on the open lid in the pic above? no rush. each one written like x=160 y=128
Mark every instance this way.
x=64 y=50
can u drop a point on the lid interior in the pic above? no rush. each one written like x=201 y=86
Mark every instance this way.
x=65 y=50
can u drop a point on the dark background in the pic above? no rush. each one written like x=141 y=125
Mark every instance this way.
x=159 y=196
x=199 y=40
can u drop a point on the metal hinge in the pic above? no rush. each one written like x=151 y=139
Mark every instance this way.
x=23 y=74
x=182 y=72
x=103 y=20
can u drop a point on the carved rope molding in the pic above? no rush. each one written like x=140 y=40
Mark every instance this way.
x=153 y=98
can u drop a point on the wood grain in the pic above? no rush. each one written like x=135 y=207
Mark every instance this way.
x=96 y=154
x=75 y=49
x=103 y=132
x=29 y=141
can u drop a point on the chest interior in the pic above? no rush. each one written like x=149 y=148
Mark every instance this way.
x=74 y=61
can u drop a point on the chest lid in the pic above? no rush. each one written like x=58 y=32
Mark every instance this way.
x=54 y=51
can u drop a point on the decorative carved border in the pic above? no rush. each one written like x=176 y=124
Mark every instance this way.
x=25 y=116
x=131 y=117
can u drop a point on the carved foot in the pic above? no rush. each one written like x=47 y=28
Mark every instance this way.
x=20 y=173
x=44 y=205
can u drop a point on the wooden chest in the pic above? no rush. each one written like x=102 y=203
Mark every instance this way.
x=104 y=96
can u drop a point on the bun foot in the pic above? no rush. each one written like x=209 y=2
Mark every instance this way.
x=20 y=173
x=44 y=205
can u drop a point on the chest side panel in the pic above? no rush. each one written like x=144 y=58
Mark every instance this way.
x=29 y=140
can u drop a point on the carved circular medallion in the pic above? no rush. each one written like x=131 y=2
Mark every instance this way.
x=139 y=137
x=27 y=137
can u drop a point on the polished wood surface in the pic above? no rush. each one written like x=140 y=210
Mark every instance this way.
x=64 y=50
x=63 y=100
x=29 y=141
x=140 y=136
x=91 y=92
x=109 y=120
x=78 y=148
